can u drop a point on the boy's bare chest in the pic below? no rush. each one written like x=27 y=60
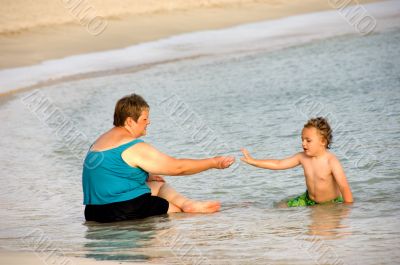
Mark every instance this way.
x=317 y=170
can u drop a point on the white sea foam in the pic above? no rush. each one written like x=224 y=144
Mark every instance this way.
x=266 y=35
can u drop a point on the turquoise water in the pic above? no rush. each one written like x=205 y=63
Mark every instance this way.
x=210 y=106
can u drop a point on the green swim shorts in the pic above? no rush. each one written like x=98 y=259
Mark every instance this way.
x=304 y=200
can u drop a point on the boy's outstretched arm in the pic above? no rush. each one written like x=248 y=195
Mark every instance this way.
x=273 y=164
x=341 y=180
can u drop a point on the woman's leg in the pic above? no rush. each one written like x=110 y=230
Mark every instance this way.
x=155 y=187
x=178 y=202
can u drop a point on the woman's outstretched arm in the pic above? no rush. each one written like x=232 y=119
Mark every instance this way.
x=155 y=162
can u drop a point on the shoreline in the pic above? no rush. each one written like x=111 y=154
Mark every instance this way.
x=88 y=75
x=41 y=44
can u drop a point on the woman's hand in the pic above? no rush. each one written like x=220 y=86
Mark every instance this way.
x=223 y=161
x=246 y=156
x=156 y=178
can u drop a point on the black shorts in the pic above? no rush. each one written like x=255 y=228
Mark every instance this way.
x=137 y=208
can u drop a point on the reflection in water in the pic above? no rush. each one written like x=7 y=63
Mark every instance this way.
x=151 y=240
x=326 y=220
x=122 y=240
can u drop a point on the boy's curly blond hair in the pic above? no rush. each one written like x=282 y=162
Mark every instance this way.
x=323 y=127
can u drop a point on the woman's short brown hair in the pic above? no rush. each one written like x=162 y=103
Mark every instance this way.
x=129 y=106
x=323 y=127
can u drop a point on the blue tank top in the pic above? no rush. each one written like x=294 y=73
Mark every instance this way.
x=107 y=178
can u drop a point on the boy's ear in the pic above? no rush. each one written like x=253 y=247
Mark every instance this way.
x=324 y=141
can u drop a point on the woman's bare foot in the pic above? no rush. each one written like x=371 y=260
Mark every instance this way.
x=201 y=206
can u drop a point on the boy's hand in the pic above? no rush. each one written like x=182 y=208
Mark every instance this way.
x=246 y=156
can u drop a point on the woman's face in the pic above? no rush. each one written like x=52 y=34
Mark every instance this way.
x=142 y=122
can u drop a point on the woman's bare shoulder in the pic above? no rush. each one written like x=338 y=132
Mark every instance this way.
x=111 y=139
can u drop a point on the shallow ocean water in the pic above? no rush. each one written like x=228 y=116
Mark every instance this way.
x=211 y=106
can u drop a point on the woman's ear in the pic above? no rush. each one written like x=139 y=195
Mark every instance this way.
x=129 y=121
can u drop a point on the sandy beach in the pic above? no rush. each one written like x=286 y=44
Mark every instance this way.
x=62 y=32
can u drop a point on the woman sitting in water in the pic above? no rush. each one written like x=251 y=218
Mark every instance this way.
x=120 y=174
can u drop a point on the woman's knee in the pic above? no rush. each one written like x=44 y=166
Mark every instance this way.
x=155 y=187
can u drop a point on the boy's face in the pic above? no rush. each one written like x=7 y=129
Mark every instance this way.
x=312 y=141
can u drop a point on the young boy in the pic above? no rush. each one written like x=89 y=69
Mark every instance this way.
x=325 y=178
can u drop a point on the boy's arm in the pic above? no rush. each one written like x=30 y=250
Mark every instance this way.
x=341 y=180
x=274 y=164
